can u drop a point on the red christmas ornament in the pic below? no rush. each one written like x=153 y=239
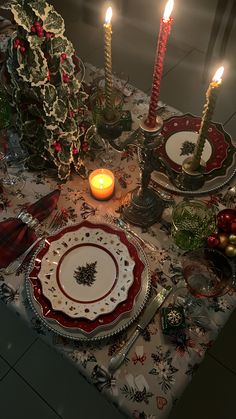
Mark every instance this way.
x=33 y=29
x=49 y=76
x=57 y=147
x=233 y=227
x=225 y=219
x=22 y=50
x=213 y=240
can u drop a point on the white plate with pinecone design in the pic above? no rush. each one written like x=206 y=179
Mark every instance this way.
x=86 y=270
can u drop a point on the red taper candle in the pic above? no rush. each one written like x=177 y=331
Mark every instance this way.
x=165 y=27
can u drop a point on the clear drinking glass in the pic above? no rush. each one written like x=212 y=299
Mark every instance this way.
x=192 y=223
x=207 y=272
x=10 y=178
x=106 y=129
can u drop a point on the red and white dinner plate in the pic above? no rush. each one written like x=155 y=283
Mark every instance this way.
x=113 y=271
x=180 y=135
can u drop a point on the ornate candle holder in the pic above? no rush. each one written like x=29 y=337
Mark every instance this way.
x=188 y=179
x=142 y=206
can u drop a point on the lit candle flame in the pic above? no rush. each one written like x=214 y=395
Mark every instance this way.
x=101 y=182
x=168 y=10
x=218 y=75
x=108 y=16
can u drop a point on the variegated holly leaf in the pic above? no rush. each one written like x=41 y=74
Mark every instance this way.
x=54 y=22
x=59 y=45
x=54 y=64
x=70 y=125
x=35 y=41
x=63 y=92
x=74 y=86
x=65 y=156
x=51 y=123
x=40 y=8
x=68 y=66
x=63 y=171
x=50 y=96
x=32 y=67
x=73 y=103
x=60 y=110
x=22 y=16
x=8 y=5
x=81 y=169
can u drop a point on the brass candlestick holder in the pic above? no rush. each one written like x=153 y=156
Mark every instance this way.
x=142 y=207
x=188 y=179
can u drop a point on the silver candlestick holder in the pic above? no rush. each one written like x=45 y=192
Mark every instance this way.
x=142 y=206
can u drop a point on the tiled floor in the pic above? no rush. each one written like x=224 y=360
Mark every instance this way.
x=35 y=382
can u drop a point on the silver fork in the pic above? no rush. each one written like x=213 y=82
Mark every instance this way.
x=53 y=226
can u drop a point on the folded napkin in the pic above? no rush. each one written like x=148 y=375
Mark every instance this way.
x=16 y=236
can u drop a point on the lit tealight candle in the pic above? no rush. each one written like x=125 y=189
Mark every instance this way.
x=102 y=183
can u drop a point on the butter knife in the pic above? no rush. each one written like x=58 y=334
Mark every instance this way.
x=152 y=308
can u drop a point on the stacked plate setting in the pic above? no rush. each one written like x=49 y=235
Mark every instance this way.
x=88 y=282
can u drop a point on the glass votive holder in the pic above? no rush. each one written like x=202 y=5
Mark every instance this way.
x=102 y=184
x=192 y=223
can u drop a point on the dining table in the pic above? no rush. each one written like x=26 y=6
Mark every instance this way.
x=158 y=367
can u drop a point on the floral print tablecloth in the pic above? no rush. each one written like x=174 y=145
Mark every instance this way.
x=158 y=367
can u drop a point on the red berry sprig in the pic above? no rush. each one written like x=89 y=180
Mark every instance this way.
x=75 y=151
x=57 y=147
x=65 y=77
x=19 y=43
x=63 y=57
x=85 y=146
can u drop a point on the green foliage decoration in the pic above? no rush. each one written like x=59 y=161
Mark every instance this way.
x=47 y=93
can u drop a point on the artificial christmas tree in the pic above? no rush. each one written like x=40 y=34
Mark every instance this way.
x=46 y=89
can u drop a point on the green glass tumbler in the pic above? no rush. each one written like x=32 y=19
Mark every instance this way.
x=192 y=222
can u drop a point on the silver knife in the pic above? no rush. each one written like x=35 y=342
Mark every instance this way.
x=154 y=304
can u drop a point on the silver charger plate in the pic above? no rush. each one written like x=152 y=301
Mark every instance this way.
x=103 y=332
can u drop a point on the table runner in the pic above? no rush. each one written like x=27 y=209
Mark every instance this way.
x=158 y=367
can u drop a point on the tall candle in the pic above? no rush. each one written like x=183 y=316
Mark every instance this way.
x=165 y=27
x=211 y=96
x=108 y=62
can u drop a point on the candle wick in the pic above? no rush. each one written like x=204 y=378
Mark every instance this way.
x=101 y=182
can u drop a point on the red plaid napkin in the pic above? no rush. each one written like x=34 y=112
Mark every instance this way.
x=16 y=236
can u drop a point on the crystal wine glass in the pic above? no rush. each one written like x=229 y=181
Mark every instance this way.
x=108 y=124
x=208 y=273
x=10 y=177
